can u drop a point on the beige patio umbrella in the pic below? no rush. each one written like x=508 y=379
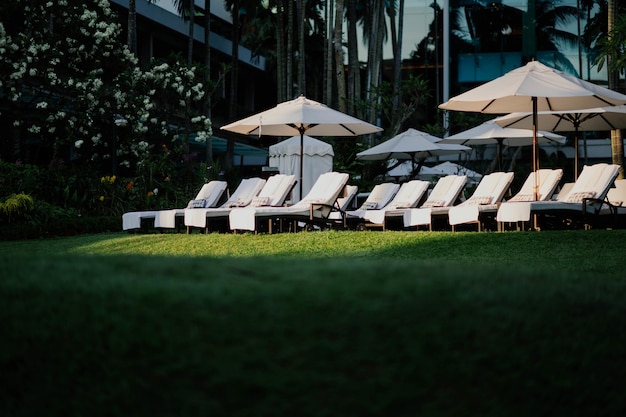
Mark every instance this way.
x=412 y=145
x=532 y=88
x=300 y=116
x=596 y=119
x=490 y=132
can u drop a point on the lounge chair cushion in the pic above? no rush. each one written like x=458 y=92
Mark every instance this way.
x=580 y=196
x=399 y=204
x=260 y=201
x=240 y=202
x=478 y=200
x=369 y=205
x=434 y=203
x=523 y=197
x=198 y=203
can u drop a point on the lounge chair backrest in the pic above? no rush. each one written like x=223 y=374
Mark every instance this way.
x=564 y=191
x=209 y=194
x=325 y=190
x=491 y=188
x=617 y=195
x=347 y=196
x=446 y=191
x=594 y=181
x=247 y=189
x=380 y=196
x=409 y=194
x=548 y=180
x=276 y=190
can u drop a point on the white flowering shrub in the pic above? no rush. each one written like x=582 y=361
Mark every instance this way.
x=66 y=76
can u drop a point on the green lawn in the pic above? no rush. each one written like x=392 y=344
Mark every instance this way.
x=315 y=324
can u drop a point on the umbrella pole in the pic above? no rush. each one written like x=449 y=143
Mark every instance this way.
x=576 y=152
x=301 y=129
x=536 y=186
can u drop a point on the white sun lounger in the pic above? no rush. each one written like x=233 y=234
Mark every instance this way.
x=443 y=195
x=314 y=207
x=273 y=194
x=583 y=199
x=408 y=196
x=344 y=201
x=247 y=190
x=381 y=195
x=547 y=181
x=208 y=196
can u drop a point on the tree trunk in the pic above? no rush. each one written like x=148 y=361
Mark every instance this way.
x=207 y=75
x=397 y=63
x=192 y=23
x=234 y=78
x=338 y=47
x=301 y=49
x=375 y=55
x=328 y=54
x=617 y=143
x=280 y=52
x=132 y=27
x=289 y=79
x=354 y=74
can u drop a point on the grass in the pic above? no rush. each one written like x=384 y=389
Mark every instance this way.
x=314 y=324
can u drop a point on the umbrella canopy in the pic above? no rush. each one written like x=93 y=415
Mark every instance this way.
x=490 y=132
x=594 y=119
x=411 y=144
x=443 y=169
x=300 y=116
x=451 y=168
x=532 y=88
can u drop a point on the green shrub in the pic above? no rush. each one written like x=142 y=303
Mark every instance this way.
x=60 y=227
x=16 y=206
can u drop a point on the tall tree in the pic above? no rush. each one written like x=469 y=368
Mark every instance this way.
x=338 y=48
x=301 y=49
x=208 y=103
x=132 y=25
x=611 y=50
x=354 y=70
x=234 y=80
x=397 y=55
x=617 y=143
x=187 y=10
x=327 y=78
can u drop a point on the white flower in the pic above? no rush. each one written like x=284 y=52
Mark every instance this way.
x=78 y=143
x=42 y=105
x=155 y=191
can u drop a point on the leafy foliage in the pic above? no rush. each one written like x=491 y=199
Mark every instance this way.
x=16 y=205
x=613 y=47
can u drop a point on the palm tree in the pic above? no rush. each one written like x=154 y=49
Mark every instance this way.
x=479 y=28
x=187 y=10
x=338 y=47
x=604 y=37
x=617 y=144
x=354 y=73
x=132 y=25
x=207 y=75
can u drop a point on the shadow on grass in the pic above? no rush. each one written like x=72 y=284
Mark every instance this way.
x=400 y=330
